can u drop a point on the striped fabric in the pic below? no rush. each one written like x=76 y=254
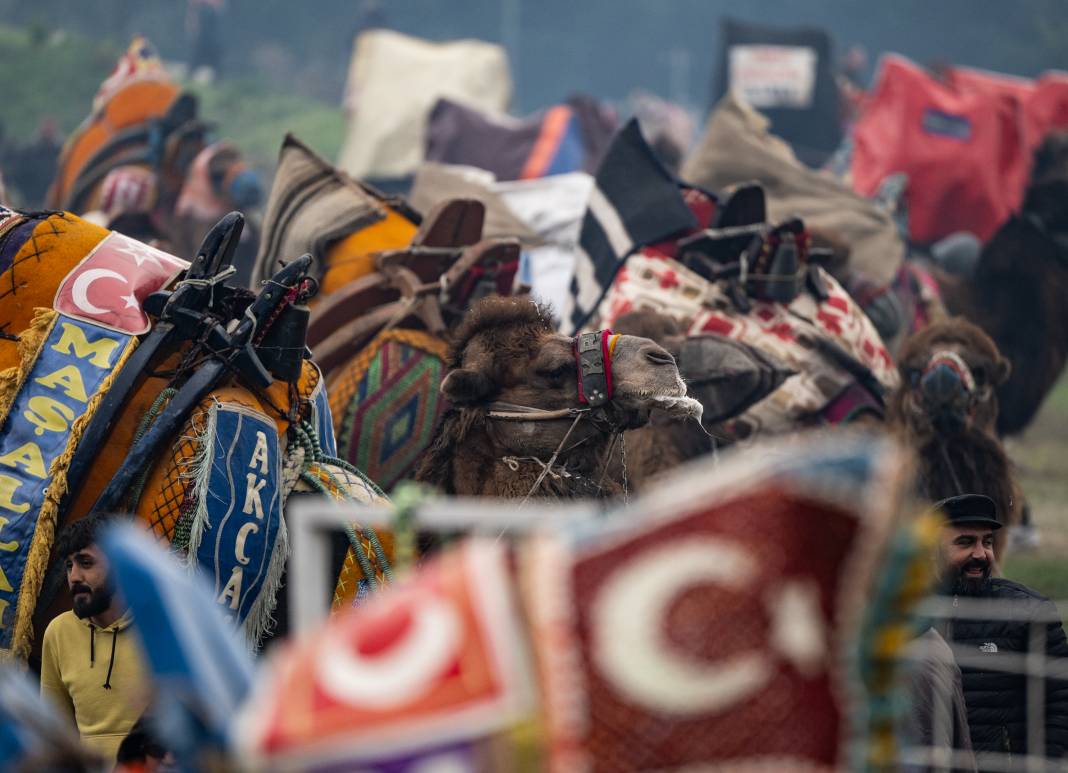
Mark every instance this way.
x=312 y=204
x=634 y=202
x=200 y=667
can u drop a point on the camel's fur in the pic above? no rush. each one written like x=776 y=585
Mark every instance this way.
x=507 y=350
x=973 y=460
x=1017 y=294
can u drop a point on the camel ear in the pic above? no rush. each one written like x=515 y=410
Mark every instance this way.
x=464 y=386
x=1002 y=370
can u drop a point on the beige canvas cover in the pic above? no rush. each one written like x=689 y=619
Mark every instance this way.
x=435 y=183
x=737 y=147
x=393 y=82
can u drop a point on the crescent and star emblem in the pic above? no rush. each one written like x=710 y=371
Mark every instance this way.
x=79 y=290
x=141 y=268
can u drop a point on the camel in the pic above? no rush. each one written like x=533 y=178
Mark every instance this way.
x=144 y=163
x=516 y=427
x=947 y=410
x=1016 y=295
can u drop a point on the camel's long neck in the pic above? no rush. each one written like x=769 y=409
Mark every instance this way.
x=1017 y=297
x=972 y=463
x=482 y=466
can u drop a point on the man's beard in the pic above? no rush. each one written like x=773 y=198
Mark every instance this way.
x=961 y=584
x=95 y=603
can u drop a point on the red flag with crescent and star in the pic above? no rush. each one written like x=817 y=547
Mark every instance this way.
x=109 y=287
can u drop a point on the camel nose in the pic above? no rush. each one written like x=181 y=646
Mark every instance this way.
x=657 y=355
x=946 y=396
x=941 y=385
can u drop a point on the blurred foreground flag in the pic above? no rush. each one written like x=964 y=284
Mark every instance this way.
x=425 y=676
x=199 y=662
x=33 y=734
x=730 y=619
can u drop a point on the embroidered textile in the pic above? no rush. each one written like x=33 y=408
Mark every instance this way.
x=386 y=403
x=784 y=331
x=64 y=380
x=238 y=534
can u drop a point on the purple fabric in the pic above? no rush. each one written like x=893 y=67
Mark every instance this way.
x=457 y=134
x=11 y=242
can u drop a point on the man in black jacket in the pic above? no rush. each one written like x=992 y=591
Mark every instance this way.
x=989 y=650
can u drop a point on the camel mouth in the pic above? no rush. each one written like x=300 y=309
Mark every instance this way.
x=679 y=406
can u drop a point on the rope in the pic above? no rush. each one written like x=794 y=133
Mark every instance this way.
x=406 y=499
x=146 y=422
x=552 y=460
x=308 y=437
x=949 y=464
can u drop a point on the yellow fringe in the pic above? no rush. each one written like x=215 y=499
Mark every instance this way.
x=31 y=341
x=44 y=533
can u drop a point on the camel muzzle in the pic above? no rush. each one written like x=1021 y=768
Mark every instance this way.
x=947 y=389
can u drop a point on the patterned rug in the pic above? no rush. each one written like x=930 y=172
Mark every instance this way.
x=385 y=403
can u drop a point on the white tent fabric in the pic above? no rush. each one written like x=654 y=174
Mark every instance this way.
x=394 y=80
x=554 y=207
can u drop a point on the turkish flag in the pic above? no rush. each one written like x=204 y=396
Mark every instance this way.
x=109 y=286
x=431 y=662
x=711 y=625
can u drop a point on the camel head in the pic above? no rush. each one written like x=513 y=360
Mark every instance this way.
x=508 y=358
x=950 y=372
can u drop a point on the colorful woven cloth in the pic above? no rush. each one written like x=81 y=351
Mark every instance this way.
x=311 y=206
x=386 y=403
x=786 y=331
x=568 y=137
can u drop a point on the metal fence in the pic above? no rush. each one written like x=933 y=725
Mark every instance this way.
x=1033 y=665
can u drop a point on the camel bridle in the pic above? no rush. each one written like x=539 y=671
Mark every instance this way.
x=593 y=356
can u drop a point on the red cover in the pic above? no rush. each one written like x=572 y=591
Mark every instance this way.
x=1044 y=101
x=965 y=152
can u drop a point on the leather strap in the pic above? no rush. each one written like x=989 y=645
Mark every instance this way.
x=594 y=367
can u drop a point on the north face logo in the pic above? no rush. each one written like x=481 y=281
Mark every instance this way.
x=988 y=647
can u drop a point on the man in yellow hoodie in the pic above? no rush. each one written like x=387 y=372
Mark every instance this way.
x=91 y=663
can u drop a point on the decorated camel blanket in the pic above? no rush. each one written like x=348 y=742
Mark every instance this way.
x=67 y=357
x=786 y=331
x=386 y=403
